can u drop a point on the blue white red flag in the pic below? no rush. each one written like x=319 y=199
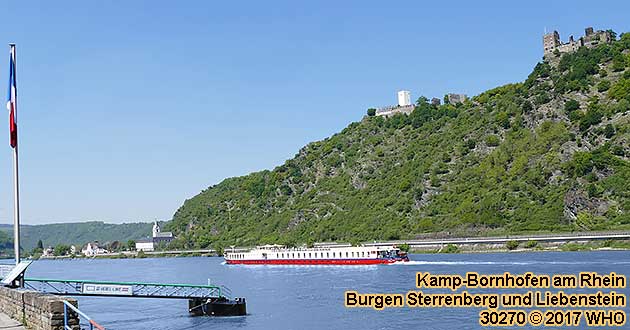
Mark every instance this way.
x=12 y=99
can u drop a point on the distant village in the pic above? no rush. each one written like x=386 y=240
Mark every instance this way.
x=93 y=249
x=553 y=48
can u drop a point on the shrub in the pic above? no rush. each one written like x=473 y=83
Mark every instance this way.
x=451 y=248
x=592 y=117
x=603 y=86
x=617 y=150
x=371 y=112
x=620 y=90
x=531 y=244
x=511 y=245
x=492 y=140
x=571 y=105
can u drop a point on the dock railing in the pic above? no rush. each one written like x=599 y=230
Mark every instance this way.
x=92 y=323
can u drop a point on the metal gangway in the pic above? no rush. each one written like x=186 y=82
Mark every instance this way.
x=128 y=289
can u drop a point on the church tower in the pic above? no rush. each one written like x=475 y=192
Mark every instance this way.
x=156 y=229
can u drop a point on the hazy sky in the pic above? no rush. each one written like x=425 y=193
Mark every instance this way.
x=127 y=108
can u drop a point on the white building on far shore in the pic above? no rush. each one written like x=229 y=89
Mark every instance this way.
x=92 y=249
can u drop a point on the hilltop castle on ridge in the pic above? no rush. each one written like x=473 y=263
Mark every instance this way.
x=553 y=45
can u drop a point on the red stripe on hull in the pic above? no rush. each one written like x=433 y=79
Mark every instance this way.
x=313 y=262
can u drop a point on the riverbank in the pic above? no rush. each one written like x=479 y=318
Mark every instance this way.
x=529 y=246
x=583 y=241
x=139 y=255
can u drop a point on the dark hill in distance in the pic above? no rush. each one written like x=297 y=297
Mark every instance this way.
x=549 y=154
x=78 y=233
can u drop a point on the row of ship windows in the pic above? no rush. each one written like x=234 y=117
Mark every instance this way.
x=310 y=255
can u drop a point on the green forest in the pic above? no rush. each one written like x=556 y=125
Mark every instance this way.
x=75 y=233
x=6 y=243
x=551 y=153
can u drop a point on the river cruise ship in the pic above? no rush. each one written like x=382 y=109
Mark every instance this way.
x=322 y=255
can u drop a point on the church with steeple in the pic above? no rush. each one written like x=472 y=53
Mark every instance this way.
x=158 y=237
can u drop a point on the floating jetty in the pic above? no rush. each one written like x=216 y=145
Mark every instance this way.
x=210 y=300
x=217 y=307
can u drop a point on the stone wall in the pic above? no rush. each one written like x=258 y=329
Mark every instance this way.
x=37 y=311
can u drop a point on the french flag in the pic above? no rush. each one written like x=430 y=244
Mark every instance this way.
x=12 y=99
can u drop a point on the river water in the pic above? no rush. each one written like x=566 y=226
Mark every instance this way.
x=306 y=297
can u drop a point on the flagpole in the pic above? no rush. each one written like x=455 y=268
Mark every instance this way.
x=16 y=185
x=16 y=205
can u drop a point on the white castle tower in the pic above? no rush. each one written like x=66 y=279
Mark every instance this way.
x=404 y=98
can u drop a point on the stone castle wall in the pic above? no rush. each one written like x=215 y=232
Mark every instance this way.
x=591 y=38
x=36 y=311
x=392 y=110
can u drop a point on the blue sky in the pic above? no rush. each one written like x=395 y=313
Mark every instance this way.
x=127 y=108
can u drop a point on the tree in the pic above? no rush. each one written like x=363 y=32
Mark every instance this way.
x=39 y=248
x=310 y=242
x=61 y=250
x=503 y=119
x=618 y=63
x=422 y=100
x=371 y=112
x=592 y=117
x=609 y=131
x=470 y=144
x=131 y=245
x=527 y=107
x=571 y=105
x=218 y=249
x=114 y=246
x=613 y=34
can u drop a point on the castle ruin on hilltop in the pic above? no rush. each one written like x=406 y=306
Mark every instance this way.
x=553 y=45
x=406 y=106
